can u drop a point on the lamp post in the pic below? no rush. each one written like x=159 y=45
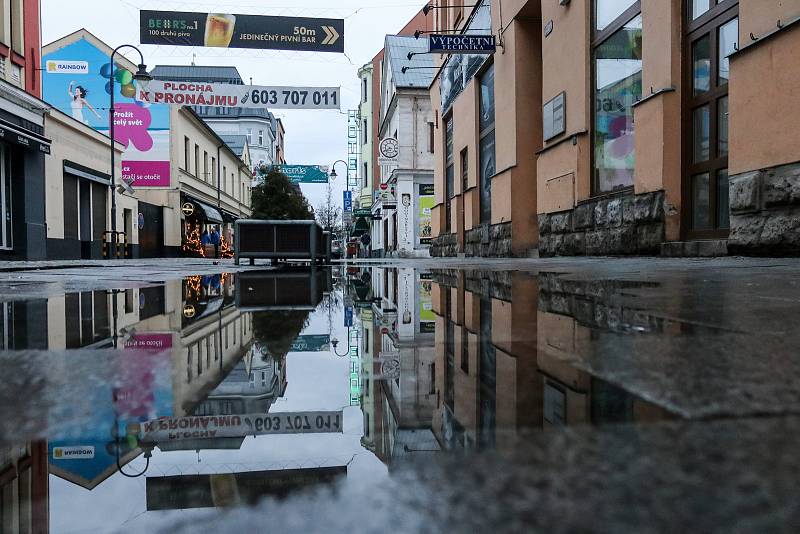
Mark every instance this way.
x=141 y=76
x=333 y=176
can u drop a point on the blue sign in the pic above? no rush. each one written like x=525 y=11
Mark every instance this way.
x=348 y=317
x=348 y=201
x=304 y=174
x=462 y=44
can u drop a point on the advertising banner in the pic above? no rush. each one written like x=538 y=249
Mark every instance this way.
x=427 y=201
x=225 y=95
x=242 y=31
x=311 y=343
x=77 y=81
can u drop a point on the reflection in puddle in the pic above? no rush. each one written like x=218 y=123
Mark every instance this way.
x=223 y=389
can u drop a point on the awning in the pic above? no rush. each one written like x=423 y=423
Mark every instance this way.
x=86 y=173
x=361 y=227
x=23 y=137
x=230 y=217
x=201 y=209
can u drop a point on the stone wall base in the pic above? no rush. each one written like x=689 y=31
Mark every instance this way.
x=489 y=241
x=619 y=226
x=445 y=246
x=765 y=212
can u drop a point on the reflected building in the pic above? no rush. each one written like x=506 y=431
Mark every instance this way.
x=505 y=346
x=403 y=370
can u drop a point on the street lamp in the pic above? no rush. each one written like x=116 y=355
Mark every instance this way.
x=141 y=76
x=333 y=170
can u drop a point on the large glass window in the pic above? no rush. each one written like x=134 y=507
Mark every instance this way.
x=488 y=162
x=607 y=11
x=618 y=86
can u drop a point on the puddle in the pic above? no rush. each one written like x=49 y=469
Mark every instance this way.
x=214 y=392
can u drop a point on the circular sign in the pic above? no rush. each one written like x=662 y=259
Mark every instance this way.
x=390 y=148
x=188 y=209
x=189 y=311
x=384 y=187
x=141 y=221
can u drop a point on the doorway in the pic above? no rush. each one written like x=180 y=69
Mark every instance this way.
x=151 y=230
x=712 y=33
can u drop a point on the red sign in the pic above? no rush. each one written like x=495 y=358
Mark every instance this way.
x=384 y=187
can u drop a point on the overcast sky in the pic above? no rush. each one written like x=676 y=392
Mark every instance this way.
x=312 y=137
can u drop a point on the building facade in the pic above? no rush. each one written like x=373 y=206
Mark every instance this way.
x=406 y=151
x=367 y=140
x=620 y=127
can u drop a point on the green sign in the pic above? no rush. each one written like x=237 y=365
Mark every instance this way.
x=363 y=213
x=305 y=174
x=321 y=343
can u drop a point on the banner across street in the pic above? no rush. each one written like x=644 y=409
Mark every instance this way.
x=242 y=31
x=226 y=95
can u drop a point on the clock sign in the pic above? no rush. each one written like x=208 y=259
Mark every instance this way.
x=390 y=148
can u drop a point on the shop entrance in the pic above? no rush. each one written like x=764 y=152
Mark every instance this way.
x=151 y=230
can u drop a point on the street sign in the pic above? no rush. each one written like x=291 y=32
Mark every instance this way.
x=347 y=201
x=226 y=95
x=237 y=426
x=219 y=30
x=462 y=44
x=348 y=317
x=304 y=174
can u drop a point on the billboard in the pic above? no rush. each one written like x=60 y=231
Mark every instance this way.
x=222 y=30
x=77 y=81
x=427 y=201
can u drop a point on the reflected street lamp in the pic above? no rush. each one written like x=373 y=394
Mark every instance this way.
x=141 y=76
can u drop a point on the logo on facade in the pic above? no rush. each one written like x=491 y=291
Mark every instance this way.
x=68 y=67
x=73 y=453
x=188 y=209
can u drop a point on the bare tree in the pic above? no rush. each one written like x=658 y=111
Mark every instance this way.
x=328 y=214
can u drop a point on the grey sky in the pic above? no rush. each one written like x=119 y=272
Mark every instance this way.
x=313 y=137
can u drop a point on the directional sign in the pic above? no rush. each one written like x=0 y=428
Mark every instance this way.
x=226 y=95
x=305 y=174
x=348 y=317
x=462 y=44
x=236 y=426
x=242 y=31
x=348 y=201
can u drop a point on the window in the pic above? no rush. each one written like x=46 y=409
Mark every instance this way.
x=464 y=170
x=205 y=166
x=261 y=138
x=431 y=138
x=249 y=136
x=364 y=133
x=488 y=164
x=213 y=169
x=6 y=236
x=225 y=178
x=712 y=34
x=364 y=90
x=449 y=172
x=186 y=154
x=365 y=177
x=609 y=11
x=617 y=87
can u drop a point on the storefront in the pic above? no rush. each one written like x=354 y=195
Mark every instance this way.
x=23 y=148
x=198 y=217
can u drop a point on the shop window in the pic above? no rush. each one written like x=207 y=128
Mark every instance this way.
x=488 y=163
x=617 y=87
